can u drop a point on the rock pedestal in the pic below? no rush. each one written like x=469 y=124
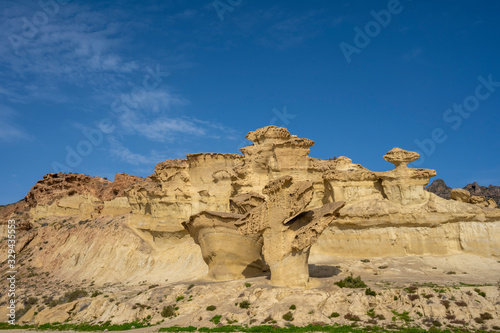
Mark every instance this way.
x=288 y=231
x=228 y=254
x=404 y=185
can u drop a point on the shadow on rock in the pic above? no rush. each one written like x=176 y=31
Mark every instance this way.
x=323 y=271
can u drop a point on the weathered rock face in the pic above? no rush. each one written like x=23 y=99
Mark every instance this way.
x=381 y=208
x=59 y=194
x=228 y=254
x=288 y=231
x=181 y=188
x=459 y=194
x=273 y=200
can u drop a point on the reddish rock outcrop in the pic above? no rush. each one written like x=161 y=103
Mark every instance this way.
x=54 y=186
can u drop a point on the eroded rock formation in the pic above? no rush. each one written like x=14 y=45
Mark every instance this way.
x=228 y=254
x=252 y=185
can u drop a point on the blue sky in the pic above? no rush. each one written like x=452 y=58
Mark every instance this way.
x=100 y=87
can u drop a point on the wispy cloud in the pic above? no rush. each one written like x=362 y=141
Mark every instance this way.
x=83 y=53
x=117 y=149
x=9 y=130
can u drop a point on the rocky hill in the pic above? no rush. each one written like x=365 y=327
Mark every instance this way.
x=218 y=238
x=439 y=187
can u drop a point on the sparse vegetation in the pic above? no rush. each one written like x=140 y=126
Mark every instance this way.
x=288 y=316
x=411 y=289
x=244 y=304
x=370 y=292
x=74 y=295
x=480 y=292
x=334 y=315
x=351 y=317
x=351 y=282
x=216 y=319
x=401 y=316
x=78 y=327
x=486 y=316
x=211 y=308
x=168 y=311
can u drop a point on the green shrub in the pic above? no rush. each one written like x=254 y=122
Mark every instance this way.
x=216 y=319
x=32 y=300
x=168 y=311
x=288 y=316
x=370 y=292
x=153 y=286
x=248 y=285
x=96 y=293
x=292 y=307
x=211 y=308
x=486 y=316
x=334 y=315
x=411 y=289
x=351 y=282
x=244 y=304
x=480 y=292
x=191 y=286
x=74 y=295
x=179 y=298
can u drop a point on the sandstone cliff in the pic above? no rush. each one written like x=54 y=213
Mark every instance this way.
x=195 y=218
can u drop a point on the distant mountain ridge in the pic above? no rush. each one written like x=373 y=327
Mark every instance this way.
x=440 y=188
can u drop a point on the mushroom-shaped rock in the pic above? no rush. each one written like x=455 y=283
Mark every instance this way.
x=228 y=254
x=400 y=157
x=287 y=230
x=404 y=185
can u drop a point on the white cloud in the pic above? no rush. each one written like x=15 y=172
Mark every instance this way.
x=9 y=131
x=117 y=149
